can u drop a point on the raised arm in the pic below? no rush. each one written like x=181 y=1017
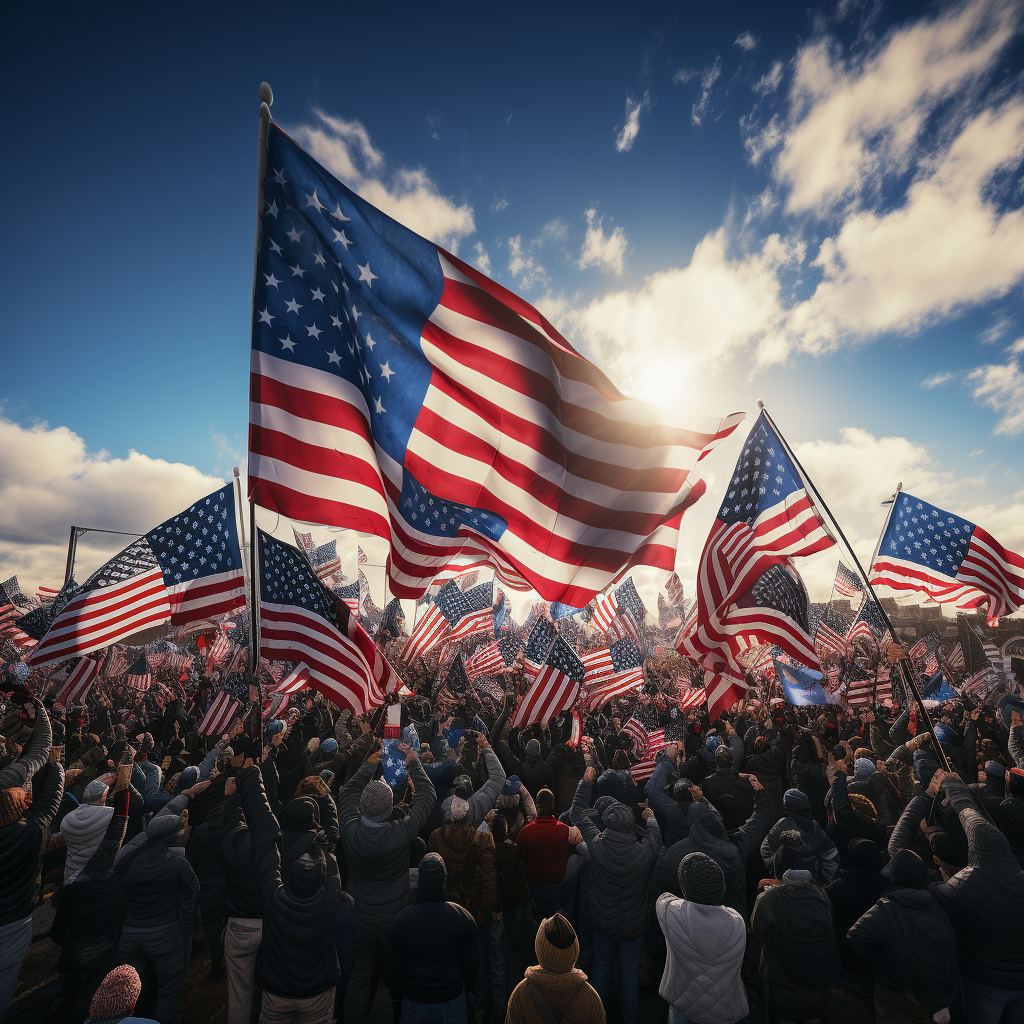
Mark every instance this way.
x=264 y=832
x=424 y=797
x=987 y=847
x=484 y=799
x=33 y=755
x=579 y=813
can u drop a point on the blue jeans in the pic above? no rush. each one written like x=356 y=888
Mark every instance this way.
x=986 y=1005
x=14 y=941
x=490 y=980
x=546 y=900
x=677 y=1016
x=452 y=1012
x=629 y=974
x=167 y=953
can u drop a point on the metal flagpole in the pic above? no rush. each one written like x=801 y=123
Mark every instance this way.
x=908 y=680
x=240 y=520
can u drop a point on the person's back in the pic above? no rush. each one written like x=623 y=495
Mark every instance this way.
x=705 y=943
x=797 y=807
x=554 y=989
x=545 y=847
x=432 y=950
x=853 y=891
x=84 y=827
x=909 y=943
x=730 y=794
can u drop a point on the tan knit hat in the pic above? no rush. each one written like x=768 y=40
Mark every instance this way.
x=557 y=945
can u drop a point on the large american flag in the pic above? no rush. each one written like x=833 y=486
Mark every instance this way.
x=539 y=642
x=612 y=672
x=847 y=582
x=78 y=684
x=301 y=620
x=620 y=602
x=951 y=559
x=478 y=616
x=747 y=591
x=555 y=689
x=188 y=568
x=495 y=658
x=398 y=391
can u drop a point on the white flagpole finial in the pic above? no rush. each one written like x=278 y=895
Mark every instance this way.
x=760 y=404
x=266 y=94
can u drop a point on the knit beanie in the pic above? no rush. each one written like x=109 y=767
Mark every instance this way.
x=433 y=878
x=701 y=880
x=533 y=747
x=557 y=946
x=94 y=792
x=863 y=768
x=908 y=870
x=454 y=808
x=117 y=995
x=995 y=770
x=723 y=757
x=187 y=779
x=329 y=745
x=863 y=805
x=163 y=828
x=619 y=818
x=511 y=787
x=864 y=854
x=463 y=786
x=545 y=802
x=796 y=800
x=376 y=801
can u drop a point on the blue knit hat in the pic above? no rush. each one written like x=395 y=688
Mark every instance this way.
x=712 y=743
x=511 y=787
x=862 y=768
x=796 y=800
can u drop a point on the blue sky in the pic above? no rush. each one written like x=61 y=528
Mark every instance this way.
x=717 y=205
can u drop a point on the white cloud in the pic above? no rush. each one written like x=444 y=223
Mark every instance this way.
x=523 y=265
x=1001 y=388
x=606 y=251
x=499 y=203
x=483 y=261
x=699 y=111
x=554 y=231
x=631 y=129
x=746 y=41
x=50 y=480
x=1017 y=348
x=853 y=123
x=407 y=194
x=768 y=83
x=937 y=380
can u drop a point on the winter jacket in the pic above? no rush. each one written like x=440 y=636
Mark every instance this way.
x=985 y=900
x=705 y=947
x=158 y=883
x=729 y=850
x=880 y=790
x=730 y=795
x=377 y=856
x=909 y=942
x=83 y=829
x=853 y=892
x=1009 y=818
x=468 y=856
x=569 y=765
x=22 y=842
x=234 y=844
x=204 y=850
x=297 y=957
x=483 y=799
x=513 y=890
x=433 y=956
x=812 y=833
x=674 y=819
x=545 y=846
x=847 y=823
x=767 y=769
x=620 y=867
x=533 y=772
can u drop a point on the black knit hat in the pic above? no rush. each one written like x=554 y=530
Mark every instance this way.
x=701 y=880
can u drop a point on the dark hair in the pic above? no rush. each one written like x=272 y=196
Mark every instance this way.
x=559 y=932
x=545 y=801
x=499 y=828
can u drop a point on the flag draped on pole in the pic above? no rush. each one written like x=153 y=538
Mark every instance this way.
x=301 y=620
x=188 y=568
x=556 y=687
x=748 y=593
x=951 y=559
x=398 y=391
x=440 y=618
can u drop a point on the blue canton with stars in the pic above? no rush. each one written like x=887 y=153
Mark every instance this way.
x=872 y=615
x=286 y=578
x=624 y=655
x=342 y=288
x=201 y=541
x=563 y=658
x=764 y=476
x=921 y=533
x=542 y=636
x=452 y=602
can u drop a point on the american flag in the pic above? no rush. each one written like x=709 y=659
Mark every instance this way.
x=304 y=541
x=869 y=624
x=44 y=595
x=360 y=556
x=10 y=593
x=860 y=690
x=690 y=699
x=478 y=616
x=303 y=621
x=612 y=672
x=441 y=615
x=956 y=657
x=747 y=592
x=926 y=649
x=139 y=677
x=495 y=658
x=828 y=639
x=298 y=679
x=188 y=568
x=621 y=602
x=219 y=715
x=648 y=740
x=951 y=559
x=847 y=582
x=116 y=663
x=674 y=590
x=555 y=689
x=83 y=675
x=325 y=560
x=218 y=652
x=350 y=595
x=538 y=644
x=10 y=627
x=977 y=686
x=398 y=391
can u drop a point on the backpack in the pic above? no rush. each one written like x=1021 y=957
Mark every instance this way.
x=804 y=936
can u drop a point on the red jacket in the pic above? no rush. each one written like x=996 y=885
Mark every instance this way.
x=545 y=846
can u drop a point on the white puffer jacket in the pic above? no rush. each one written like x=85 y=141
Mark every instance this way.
x=83 y=830
x=705 y=957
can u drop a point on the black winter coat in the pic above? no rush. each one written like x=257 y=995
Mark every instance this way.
x=852 y=893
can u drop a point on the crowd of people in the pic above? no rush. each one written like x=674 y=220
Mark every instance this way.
x=481 y=873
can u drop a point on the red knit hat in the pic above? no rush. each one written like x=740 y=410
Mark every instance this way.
x=118 y=993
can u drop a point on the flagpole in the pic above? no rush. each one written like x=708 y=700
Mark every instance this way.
x=240 y=521
x=908 y=680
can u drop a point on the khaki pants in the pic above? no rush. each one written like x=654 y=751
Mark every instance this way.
x=314 y=1010
x=241 y=944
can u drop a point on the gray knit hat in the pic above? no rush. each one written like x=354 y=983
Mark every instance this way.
x=376 y=801
x=723 y=757
x=432 y=874
x=619 y=818
x=163 y=828
x=94 y=792
x=533 y=747
x=701 y=880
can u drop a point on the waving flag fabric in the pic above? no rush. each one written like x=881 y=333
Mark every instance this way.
x=539 y=642
x=847 y=582
x=622 y=601
x=747 y=591
x=433 y=626
x=478 y=615
x=612 y=672
x=828 y=639
x=398 y=391
x=869 y=624
x=303 y=621
x=188 y=568
x=495 y=658
x=78 y=684
x=674 y=590
x=951 y=559
x=555 y=689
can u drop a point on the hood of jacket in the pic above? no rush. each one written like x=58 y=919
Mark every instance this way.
x=708 y=833
x=83 y=830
